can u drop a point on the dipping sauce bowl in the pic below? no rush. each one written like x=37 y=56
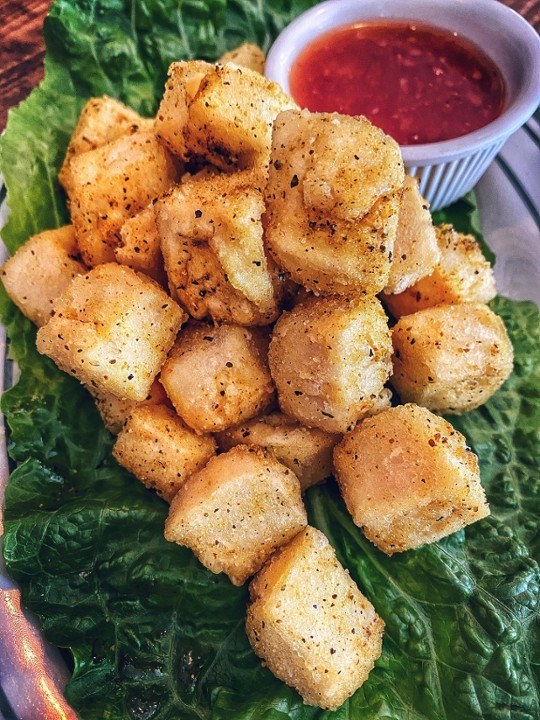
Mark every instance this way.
x=448 y=168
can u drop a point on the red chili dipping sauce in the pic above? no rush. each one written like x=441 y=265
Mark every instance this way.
x=418 y=83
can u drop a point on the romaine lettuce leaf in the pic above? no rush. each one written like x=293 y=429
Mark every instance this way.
x=155 y=635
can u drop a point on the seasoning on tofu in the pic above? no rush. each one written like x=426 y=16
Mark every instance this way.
x=115 y=410
x=408 y=478
x=332 y=200
x=462 y=274
x=230 y=118
x=139 y=245
x=416 y=251
x=228 y=207
x=330 y=358
x=160 y=450
x=218 y=376
x=183 y=81
x=310 y=624
x=112 y=329
x=450 y=358
x=211 y=234
x=112 y=183
x=236 y=511
x=306 y=451
x=41 y=270
x=101 y=121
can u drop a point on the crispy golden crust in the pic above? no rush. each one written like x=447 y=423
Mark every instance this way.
x=113 y=183
x=273 y=196
x=212 y=241
x=172 y=116
x=112 y=329
x=462 y=274
x=115 y=411
x=305 y=451
x=139 y=246
x=217 y=377
x=330 y=358
x=332 y=201
x=231 y=116
x=310 y=624
x=41 y=270
x=236 y=511
x=450 y=358
x=246 y=55
x=416 y=251
x=160 y=450
x=102 y=120
x=408 y=478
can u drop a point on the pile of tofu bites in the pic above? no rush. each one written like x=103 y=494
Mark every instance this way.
x=221 y=292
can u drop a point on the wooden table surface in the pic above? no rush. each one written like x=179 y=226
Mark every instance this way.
x=22 y=50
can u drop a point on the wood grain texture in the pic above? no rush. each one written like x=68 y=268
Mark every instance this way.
x=530 y=9
x=22 y=49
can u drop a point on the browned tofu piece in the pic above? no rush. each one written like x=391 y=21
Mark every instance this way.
x=310 y=624
x=160 y=450
x=332 y=199
x=217 y=377
x=408 y=478
x=462 y=274
x=416 y=251
x=102 y=119
x=236 y=511
x=112 y=329
x=182 y=84
x=246 y=55
x=139 y=246
x=306 y=451
x=231 y=116
x=212 y=241
x=115 y=411
x=41 y=270
x=113 y=183
x=450 y=358
x=330 y=358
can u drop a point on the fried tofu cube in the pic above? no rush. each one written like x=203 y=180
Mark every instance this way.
x=246 y=55
x=330 y=358
x=115 y=411
x=462 y=274
x=212 y=241
x=305 y=451
x=217 y=377
x=332 y=199
x=112 y=329
x=408 y=478
x=231 y=116
x=450 y=358
x=102 y=119
x=183 y=81
x=236 y=511
x=160 y=450
x=113 y=183
x=139 y=246
x=41 y=270
x=416 y=250
x=310 y=624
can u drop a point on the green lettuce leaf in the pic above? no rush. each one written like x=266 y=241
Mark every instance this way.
x=153 y=634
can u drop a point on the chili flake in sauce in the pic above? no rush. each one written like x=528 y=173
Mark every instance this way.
x=418 y=83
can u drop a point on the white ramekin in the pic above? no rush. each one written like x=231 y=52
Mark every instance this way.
x=448 y=169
